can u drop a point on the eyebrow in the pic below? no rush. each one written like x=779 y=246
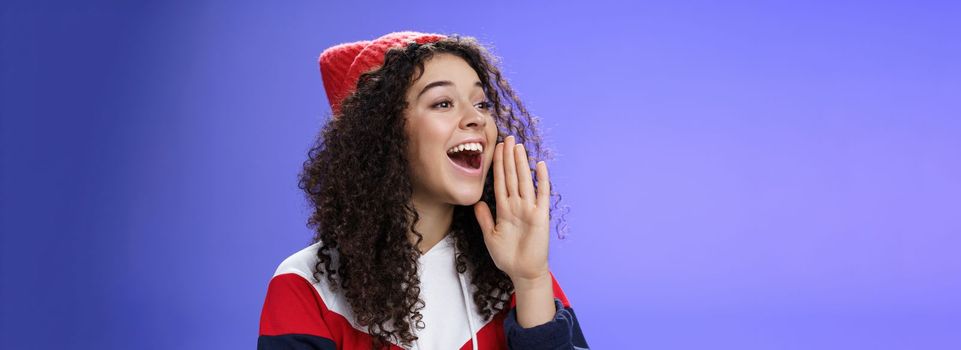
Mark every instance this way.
x=442 y=83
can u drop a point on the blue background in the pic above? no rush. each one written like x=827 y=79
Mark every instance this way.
x=741 y=175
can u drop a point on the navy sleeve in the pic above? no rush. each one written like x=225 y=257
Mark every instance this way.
x=563 y=332
x=294 y=342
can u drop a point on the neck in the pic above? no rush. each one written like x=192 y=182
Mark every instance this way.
x=434 y=223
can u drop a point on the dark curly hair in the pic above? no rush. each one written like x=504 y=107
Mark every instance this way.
x=358 y=181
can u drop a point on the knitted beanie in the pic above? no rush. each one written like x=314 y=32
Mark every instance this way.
x=342 y=64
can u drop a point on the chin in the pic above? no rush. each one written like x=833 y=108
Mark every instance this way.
x=467 y=198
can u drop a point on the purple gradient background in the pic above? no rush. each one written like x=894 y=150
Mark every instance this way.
x=741 y=175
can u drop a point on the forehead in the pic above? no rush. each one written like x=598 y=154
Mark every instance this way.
x=446 y=66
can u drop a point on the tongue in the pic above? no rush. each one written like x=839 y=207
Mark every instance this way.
x=464 y=159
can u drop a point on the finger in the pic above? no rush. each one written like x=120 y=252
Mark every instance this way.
x=510 y=171
x=525 y=184
x=500 y=192
x=543 y=186
x=484 y=217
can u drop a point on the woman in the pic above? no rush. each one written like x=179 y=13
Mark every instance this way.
x=430 y=233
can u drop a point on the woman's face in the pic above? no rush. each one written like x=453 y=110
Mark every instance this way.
x=446 y=108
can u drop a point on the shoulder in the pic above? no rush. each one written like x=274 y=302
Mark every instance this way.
x=294 y=290
x=301 y=312
x=301 y=263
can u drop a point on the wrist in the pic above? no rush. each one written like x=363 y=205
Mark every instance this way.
x=537 y=282
x=535 y=300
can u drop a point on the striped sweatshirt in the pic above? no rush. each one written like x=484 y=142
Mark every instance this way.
x=299 y=313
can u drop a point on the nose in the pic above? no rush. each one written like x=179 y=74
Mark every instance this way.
x=473 y=118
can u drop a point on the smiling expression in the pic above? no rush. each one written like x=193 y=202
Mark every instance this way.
x=447 y=108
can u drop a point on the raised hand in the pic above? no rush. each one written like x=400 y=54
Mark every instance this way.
x=518 y=241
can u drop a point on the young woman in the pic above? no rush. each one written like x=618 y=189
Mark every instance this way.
x=431 y=232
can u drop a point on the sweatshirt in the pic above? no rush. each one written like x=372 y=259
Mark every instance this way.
x=299 y=313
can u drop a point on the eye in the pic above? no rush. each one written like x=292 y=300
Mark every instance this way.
x=485 y=105
x=445 y=103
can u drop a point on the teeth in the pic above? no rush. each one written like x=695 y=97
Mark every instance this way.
x=473 y=146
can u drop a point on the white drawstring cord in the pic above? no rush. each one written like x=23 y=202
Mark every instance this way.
x=467 y=301
x=470 y=319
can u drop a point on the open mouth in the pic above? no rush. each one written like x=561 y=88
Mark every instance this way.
x=467 y=158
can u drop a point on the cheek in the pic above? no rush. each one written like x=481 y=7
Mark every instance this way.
x=422 y=158
x=489 y=160
x=492 y=141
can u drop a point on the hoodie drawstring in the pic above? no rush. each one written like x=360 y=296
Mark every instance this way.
x=470 y=320
x=464 y=287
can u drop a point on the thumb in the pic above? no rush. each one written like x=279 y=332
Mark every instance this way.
x=484 y=217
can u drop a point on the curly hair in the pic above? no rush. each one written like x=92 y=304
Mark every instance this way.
x=357 y=179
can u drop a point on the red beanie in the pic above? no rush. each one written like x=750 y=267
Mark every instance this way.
x=342 y=65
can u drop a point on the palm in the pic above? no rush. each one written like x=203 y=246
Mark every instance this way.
x=518 y=241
